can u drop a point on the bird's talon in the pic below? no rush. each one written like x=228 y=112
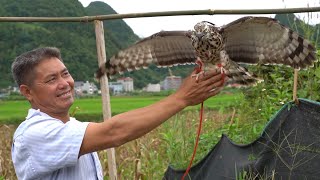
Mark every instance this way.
x=197 y=75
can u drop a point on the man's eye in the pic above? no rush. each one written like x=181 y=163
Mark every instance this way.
x=51 y=80
x=66 y=73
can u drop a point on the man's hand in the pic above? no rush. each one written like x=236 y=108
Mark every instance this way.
x=194 y=91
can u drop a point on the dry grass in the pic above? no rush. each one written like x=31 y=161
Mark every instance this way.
x=6 y=166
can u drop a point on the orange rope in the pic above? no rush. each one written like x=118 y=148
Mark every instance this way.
x=197 y=142
x=200 y=123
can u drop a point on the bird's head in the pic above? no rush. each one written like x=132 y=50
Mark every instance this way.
x=205 y=27
x=205 y=37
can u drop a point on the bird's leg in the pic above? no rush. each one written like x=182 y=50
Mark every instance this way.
x=223 y=72
x=199 y=69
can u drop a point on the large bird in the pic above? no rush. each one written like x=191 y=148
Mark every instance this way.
x=252 y=40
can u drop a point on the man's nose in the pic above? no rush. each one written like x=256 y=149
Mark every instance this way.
x=63 y=83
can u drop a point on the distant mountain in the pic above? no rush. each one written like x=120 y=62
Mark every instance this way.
x=119 y=32
x=77 y=40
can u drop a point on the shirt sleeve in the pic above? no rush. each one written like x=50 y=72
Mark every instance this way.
x=53 y=145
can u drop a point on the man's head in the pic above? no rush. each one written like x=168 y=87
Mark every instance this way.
x=23 y=66
x=44 y=80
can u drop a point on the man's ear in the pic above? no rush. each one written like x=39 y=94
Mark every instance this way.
x=25 y=91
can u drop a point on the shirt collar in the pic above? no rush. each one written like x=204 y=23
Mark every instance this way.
x=36 y=112
x=32 y=112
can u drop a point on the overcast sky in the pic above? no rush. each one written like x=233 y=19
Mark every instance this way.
x=147 y=26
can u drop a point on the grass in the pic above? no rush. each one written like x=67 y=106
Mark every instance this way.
x=170 y=144
x=14 y=112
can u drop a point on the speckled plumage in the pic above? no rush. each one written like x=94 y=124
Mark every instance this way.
x=252 y=40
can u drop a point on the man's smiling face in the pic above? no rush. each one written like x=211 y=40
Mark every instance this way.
x=52 y=88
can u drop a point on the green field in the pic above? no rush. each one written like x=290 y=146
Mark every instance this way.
x=13 y=112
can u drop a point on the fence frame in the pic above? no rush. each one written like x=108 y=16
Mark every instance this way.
x=161 y=13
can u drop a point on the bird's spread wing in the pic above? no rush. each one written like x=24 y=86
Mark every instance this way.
x=265 y=41
x=165 y=48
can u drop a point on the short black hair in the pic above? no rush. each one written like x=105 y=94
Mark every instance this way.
x=23 y=66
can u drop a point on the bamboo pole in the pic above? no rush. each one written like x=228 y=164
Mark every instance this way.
x=157 y=14
x=106 y=108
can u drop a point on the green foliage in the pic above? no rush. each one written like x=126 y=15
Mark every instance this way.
x=263 y=101
x=180 y=132
x=301 y=26
x=117 y=31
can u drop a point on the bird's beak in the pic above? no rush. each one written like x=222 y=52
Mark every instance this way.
x=199 y=35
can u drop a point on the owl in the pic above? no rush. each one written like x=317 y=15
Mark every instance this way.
x=248 y=40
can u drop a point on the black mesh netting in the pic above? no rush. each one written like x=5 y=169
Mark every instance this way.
x=288 y=148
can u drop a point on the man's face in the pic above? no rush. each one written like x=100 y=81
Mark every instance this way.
x=52 y=88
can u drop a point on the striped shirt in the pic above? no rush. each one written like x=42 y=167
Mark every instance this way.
x=46 y=148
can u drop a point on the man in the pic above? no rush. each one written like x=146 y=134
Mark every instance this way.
x=50 y=144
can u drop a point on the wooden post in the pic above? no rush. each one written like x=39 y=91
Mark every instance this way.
x=295 y=84
x=106 y=109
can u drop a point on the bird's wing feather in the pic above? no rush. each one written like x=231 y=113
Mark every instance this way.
x=264 y=40
x=165 y=48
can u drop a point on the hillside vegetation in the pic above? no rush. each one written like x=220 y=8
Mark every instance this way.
x=76 y=40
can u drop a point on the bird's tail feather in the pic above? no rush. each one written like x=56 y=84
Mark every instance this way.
x=239 y=75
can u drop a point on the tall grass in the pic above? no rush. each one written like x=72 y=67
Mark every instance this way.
x=170 y=144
